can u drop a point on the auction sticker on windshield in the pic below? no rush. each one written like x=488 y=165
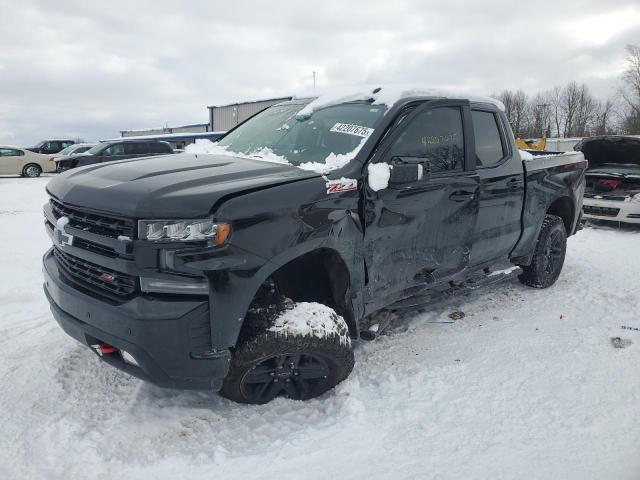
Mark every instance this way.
x=351 y=129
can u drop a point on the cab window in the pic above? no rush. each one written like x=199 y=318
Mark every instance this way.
x=435 y=135
x=489 y=147
x=50 y=147
x=136 y=148
x=157 y=147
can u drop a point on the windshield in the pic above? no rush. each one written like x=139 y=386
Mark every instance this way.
x=68 y=150
x=39 y=144
x=335 y=132
x=97 y=149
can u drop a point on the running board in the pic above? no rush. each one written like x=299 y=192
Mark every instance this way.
x=484 y=279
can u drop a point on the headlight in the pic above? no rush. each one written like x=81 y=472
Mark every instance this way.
x=636 y=198
x=183 y=230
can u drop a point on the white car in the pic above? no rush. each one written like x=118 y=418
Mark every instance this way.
x=613 y=178
x=19 y=161
x=73 y=150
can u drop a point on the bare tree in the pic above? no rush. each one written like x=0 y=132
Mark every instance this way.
x=630 y=93
x=540 y=110
x=515 y=104
x=603 y=117
x=555 y=98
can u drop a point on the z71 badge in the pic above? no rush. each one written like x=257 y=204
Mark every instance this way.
x=342 y=185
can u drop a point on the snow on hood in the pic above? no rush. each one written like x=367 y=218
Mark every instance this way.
x=307 y=319
x=383 y=95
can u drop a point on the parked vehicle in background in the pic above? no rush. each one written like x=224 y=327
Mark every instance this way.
x=112 y=151
x=613 y=178
x=178 y=141
x=71 y=150
x=48 y=147
x=19 y=161
x=251 y=269
x=74 y=149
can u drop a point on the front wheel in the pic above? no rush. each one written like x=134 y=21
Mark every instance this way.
x=32 y=170
x=304 y=353
x=548 y=257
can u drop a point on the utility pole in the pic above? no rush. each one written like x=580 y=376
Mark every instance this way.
x=541 y=113
x=314 y=79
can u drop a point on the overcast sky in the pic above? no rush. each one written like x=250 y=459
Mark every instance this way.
x=93 y=68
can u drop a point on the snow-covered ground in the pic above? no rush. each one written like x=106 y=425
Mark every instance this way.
x=526 y=386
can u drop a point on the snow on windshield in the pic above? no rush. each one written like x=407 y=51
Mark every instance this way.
x=325 y=141
x=333 y=161
x=207 y=146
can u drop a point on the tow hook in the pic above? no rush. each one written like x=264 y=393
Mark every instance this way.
x=104 y=348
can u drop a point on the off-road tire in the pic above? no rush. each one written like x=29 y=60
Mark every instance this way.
x=31 y=170
x=548 y=256
x=259 y=353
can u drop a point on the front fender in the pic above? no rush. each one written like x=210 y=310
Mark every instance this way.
x=278 y=225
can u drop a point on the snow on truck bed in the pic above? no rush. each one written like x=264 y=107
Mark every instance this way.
x=525 y=386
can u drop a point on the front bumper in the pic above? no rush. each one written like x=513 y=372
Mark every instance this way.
x=617 y=211
x=161 y=334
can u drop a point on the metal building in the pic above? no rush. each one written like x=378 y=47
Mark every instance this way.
x=193 y=128
x=225 y=117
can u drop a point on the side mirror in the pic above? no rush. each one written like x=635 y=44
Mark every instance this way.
x=409 y=170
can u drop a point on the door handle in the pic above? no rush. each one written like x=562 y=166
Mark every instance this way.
x=515 y=184
x=461 y=196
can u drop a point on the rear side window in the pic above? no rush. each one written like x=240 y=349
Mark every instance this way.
x=489 y=147
x=435 y=135
x=137 y=148
x=158 y=147
x=115 y=149
x=10 y=152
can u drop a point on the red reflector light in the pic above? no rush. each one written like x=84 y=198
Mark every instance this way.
x=106 y=349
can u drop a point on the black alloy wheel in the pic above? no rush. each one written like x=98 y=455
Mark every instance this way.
x=294 y=375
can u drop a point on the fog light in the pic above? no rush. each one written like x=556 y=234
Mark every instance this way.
x=128 y=358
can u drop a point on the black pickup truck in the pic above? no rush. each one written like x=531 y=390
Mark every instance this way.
x=252 y=269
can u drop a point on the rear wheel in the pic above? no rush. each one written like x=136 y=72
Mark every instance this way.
x=548 y=257
x=304 y=353
x=31 y=170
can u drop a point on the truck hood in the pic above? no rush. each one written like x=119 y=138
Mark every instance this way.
x=611 y=151
x=172 y=186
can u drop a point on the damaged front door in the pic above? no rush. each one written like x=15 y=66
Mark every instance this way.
x=419 y=228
